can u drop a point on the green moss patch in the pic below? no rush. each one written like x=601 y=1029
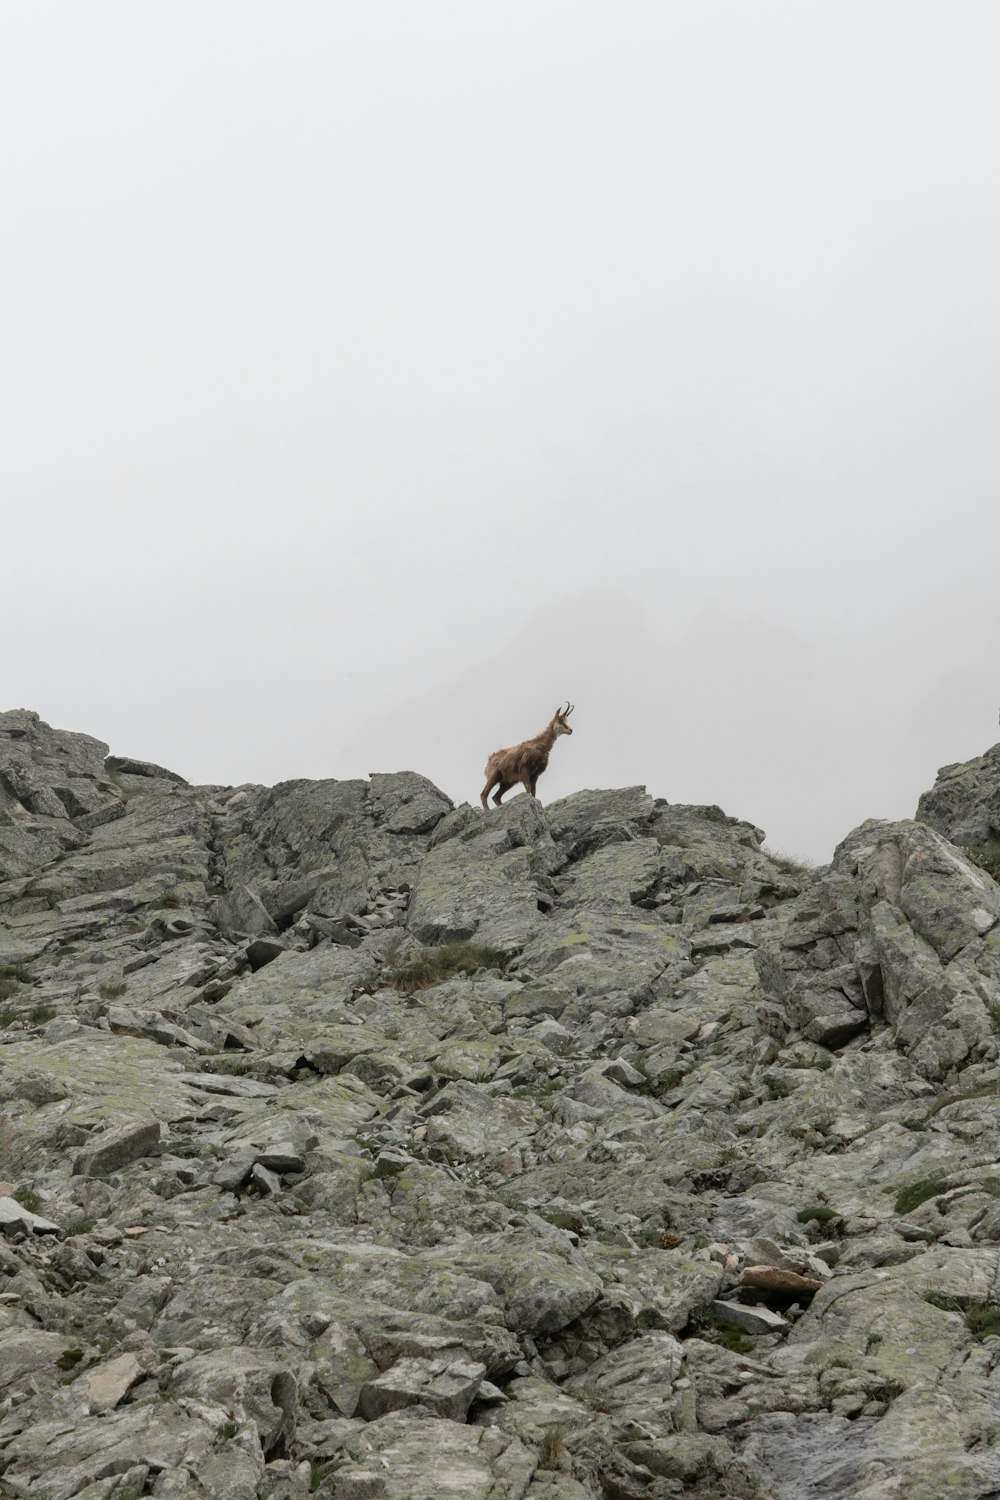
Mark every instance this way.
x=435 y=965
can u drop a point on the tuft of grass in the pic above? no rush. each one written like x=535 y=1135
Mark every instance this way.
x=706 y=1323
x=227 y=1429
x=437 y=964
x=915 y=1193
x=39 y=1014
x=801 y=869
x=20 y=972
x=656 y=1237
x=319 y=1468
x=562 y=1219
x=78 y=1226
x=593 y=1398
x=171 y=901
x=552 y=1447
x=986 y=1091
x=982 y=1319
x=8 y=987
x=730 y=1335
x=111 y=989
x=30 y=1200
x=537 y=1090
x=986 y=856
x=817 y=1213
x=69 y=1359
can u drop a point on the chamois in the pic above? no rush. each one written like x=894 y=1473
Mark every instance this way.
x=524 y=763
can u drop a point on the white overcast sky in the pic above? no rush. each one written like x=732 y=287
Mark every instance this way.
x=374 y=377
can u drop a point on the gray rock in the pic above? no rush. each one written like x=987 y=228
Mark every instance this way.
x=241 y=913
x=104 y=1386
x=445 y=1386
x=964 y=803
x=756 y=1319
x=13 y=1215
x=145 y=768
x=468 y=1239
x=110 y=1150
x=264 y=950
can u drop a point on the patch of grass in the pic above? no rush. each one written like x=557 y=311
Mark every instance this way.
x=111 y=989
x=591 y=1395
x=319 y=1468
x=982 y=1319
x=986 y=856
x=656 y=1237
x=915 y=1193
x=171 y=901
x=562 y=1219
x=552 y=1447
x=801 y=869
x=20 y=972
x=649 y=1086
x=69 y=1359
x=537 y=1090
x=39 y=1014
x=227 y=1429
x=730 y=1336
x=872 y=1342
x=942 y=1301
x=30 y=1200
x=986 y=1091
x=823 y=1063
x=78 y=1226
x=817 y=1213
x=8 y=987
x=705 y=1323
x=437 y=964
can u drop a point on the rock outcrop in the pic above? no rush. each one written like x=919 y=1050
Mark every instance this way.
x=360 y=1145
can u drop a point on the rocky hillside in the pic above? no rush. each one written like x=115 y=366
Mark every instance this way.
x=359 y=1145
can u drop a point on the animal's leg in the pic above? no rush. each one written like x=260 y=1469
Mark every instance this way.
x=529 y=786
x=501 y=791
x=486 y=791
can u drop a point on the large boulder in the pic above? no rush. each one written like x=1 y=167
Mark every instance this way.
x=964 y=802
x=901 y=931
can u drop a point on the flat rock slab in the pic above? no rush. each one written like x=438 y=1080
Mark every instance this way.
x=11 y=1213
x=27 y=1352
x=755 y=1320
x=116 y=1148
x=771 y=1279
x=103 y=1387
x=400 y=1459
x=222 y=1083
x=446 y=1386
x=465 y=1122
x=659 y=1025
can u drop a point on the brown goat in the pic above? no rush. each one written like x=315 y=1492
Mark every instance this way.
x=524 y=763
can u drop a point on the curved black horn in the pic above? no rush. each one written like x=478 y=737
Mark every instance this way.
x=568 y=709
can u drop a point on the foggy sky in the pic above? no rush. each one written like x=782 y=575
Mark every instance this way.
x=373 y=378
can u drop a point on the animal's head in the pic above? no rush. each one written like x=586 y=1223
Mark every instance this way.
x=559 y=719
